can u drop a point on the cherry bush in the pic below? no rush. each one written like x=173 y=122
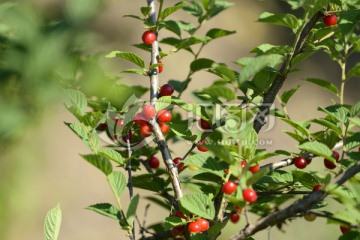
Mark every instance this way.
x=126 y=127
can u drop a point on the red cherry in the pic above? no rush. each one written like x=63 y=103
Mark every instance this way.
x=164 y=116
x=154 y=162
x=179 y=214
x=344 y=229
x=204 y=124
x=330 y=20
x=316 y=188
x=148 y=111
x=160 y=68
x=329 y=164
x=229 y=187
x=148 y=37
x=145 y=130
x=181 y=166
x=300 y=162
x=178 y=163
x=234 y=217
x=243 y=164
x=101 y=127
x=194 y=227
x=249 y=195
x=201 y=148
x=166 y=90
x=164 y=128
x=204 y=224
x=119 y=122
x=177 y=230
x=336 y=155
x=254 y=168
x=139 y=119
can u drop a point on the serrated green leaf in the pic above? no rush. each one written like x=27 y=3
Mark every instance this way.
x=145 y=11
x=248 y=142
x=172 y=26
x=182 y=131
x=52 y=223
x=221 y=152
x=149 y=182
x=266 y=49
x=257 y=64
x=201 y=63
x=198 y=204
x=163 y=103
x=354 y=72
x=257 y=176
x=106 y=209
x=168 y=11
x=171 y=222
x=324 y=84
x=295 y=136
x=86 y=134
x=217 y=91
x=135 y=71
x=117 y=182
x=297 y=126
x=218 y=33
x=327 y=124
x=206 y=163
x=285 y=97
x=286 y=20
x=131 y=212
x=277 y=177
x=224 y=72
x=192 y=41
x=338 y=112
x=78 y=101
x=318 y=149
x=355 y=110
x=111 y=155
x=99 y=162
x=194 y=8
x=129 y=56
x=352 y=141
x=308 y=180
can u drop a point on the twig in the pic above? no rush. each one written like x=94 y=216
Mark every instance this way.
x=160 y=139
x=130 y=185
x=270 y=95
x=282 y=192
x=330 y=216
x=298 y=207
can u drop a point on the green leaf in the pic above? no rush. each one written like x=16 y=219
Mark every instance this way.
x=192 y=41
x=52 y=223
x=168 y=11
x=99 y=162
x=89 y=137
x=111 y=155
x=129 y=56
x=198 y=204
x=149 y=182
x=318 y=149
x=326 y=123
x=171 y=222
x=173 y=26
x=221 y=152
x=297 y=126
x=135 y=71
x=354 y=72
x=163 y=103
x=117 y=182
x=352 y=141
x=257 y=176
x=145 y=11
x=257 y=64
x=194 y=8
x=217 y=91
x=286 y=20
x=338 y=112
x=295 y=136
x=131 y=212
x=266 y=49
x=206 y=163
x=355 y=110
x=78 y=101
x=106 y=209
x=218 y=33
x=285 y=97
x=308 y=180
x=324 y=84
x=182 y=131
x=248 y=143
x=201 y=63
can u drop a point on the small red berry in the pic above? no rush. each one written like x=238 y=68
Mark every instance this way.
x=160 y=68
x=178 y=163
x=194 y=227
x=201 y=148
x=145 y=130
x=316 y=188
x=166 y=90
x=254 y=168
x=164 y=128
x=154 y=162
x=329 y=164
x=148 y=37
x=204 y=224
x=164 y=116
x=336 y=155
x=179 y=214
x=139 y=119
x=175 y=231
x=344 y=229
x=300 y=162
x=119 y=122
x=249 y=195
x=243 y=164
x=234 y=217
x=204 y=124
x=229 y=187
x=148 y=111
x=330 y=20
x=180 y=166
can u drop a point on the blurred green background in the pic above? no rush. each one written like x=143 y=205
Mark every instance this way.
x=46 y=44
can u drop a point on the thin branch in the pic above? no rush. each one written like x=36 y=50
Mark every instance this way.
x=130 y=185
x=279 y=80
x=160 y=139
x=330 y=216
x=283 y=192
x=298 y=207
